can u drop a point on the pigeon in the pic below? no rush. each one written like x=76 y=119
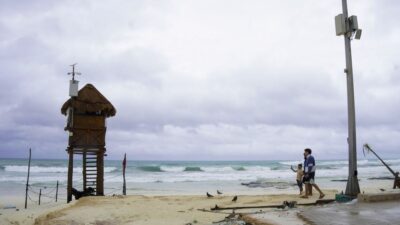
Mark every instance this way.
x=234 y=199
x=209 y=196
x=218 y=192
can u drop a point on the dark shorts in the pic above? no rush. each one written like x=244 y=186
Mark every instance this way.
x=300 y=184
x=309 y=179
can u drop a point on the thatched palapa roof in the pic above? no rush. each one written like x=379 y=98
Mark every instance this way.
x=89 y=100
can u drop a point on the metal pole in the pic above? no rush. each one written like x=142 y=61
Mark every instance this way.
x=352 y=188
x=27 y=179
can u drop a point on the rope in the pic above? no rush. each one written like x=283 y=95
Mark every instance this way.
x=43 y=193
x=32 y=199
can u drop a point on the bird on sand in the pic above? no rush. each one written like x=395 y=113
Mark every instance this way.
x=234 y=199
x=209 y=196
x=218 y=192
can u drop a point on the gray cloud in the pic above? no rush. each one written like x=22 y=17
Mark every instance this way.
x=200 y=79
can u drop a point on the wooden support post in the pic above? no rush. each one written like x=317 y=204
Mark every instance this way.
x=57 y=191
x=84 y=169
x=70 y=172
x=27 y=179
x=100 y=172
x=40 y=195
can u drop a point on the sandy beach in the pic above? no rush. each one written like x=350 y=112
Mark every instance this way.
x=150 y=209
x=140 y=209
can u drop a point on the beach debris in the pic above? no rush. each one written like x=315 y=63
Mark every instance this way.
x=9 y=206
x=231 y=215
x=194 y=221
x=218 y=192
x=339 y=180
x=367 y=148
x=342 y=198
x=209 y=195
x=382 y=189
x=232 y=219
x=234 y=199
x=117 y=196
x=380 y=178
x=290 y=204
x=268 y=184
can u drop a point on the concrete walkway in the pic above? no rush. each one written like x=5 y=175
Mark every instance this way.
x=381 y=213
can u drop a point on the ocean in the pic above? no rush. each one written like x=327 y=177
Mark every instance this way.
x=184 y=177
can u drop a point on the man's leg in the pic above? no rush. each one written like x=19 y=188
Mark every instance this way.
x=321 y=194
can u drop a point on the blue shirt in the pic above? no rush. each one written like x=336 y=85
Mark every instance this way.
x=309 y=164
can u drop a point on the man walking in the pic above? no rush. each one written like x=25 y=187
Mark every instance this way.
x=309 y=174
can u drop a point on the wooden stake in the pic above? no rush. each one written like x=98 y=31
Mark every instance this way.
x=123 y=174
x=40 y=195
x=27 y=179
x=57 y=191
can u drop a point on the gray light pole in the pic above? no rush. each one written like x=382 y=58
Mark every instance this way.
x=348 y=26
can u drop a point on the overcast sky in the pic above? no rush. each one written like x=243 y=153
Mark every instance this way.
x=201 y=80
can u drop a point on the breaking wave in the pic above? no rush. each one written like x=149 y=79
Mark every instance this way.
x=50 y=169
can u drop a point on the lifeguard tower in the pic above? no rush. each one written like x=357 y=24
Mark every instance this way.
x=86 y=111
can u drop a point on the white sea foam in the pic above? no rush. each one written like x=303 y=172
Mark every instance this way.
x=43 y=169
x=172 y=168
x=291 y=163
x=164 y=172
x=218 y=169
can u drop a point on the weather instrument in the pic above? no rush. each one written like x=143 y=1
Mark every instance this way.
x=73 y=84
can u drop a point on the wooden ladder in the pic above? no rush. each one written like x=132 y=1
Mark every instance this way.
x=89 y=166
